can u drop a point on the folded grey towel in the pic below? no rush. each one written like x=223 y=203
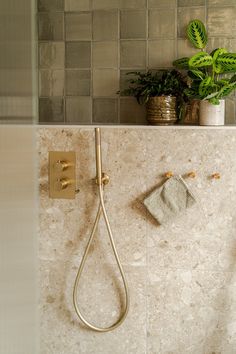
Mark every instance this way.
x=169 y=200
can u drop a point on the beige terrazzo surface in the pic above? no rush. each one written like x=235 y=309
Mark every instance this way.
x=182 y=276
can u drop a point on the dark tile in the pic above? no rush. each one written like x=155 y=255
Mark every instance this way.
x=51 y=110
x=131 y=112
x=78 y=55
x=133 y=24
x=50 y=5
x=50 y=26
x=79 y=110
x=105 y=25
x=105 y=110
x=78 y=82
x=78 y=26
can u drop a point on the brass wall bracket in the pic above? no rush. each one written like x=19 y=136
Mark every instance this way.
x=62 y=176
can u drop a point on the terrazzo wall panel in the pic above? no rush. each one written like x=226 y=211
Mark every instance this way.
x=182 y=276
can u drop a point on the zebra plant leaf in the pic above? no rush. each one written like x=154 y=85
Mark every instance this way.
x=215 y=54
x=226 y=90
x=200 y=60
x=181 y=63
x=227 y=62
x=205 y=87
x=197 y=34
x=196 y=74
x=233 y=78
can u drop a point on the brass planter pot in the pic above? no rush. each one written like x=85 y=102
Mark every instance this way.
x=161 y=110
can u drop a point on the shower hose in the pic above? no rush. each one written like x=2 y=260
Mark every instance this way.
x=101 y=181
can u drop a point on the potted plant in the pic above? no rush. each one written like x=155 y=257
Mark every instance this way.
x=162 y=92
x=211 y=76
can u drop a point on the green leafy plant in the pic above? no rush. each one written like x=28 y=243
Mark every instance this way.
x=208 y=73
x=143 y=86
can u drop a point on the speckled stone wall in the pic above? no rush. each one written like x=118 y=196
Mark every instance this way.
x=182 y=276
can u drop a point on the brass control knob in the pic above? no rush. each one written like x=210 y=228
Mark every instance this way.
x=62 y=184
x=61 y=165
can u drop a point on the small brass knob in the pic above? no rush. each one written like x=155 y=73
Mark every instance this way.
x=216 y=175
x=61 y=165
x=62 y=184
x=192 y=174
x=169 y=174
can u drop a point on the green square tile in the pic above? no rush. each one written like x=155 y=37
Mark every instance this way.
x=77 y=5
x=78 y=55
x=133 y=24
x=162 y=3
x=78 y=26
x=191 y=3
x=105 y=25
x=133 y=54
x=222 y=21
x=50 y=26
x=51 y=82
x=105 y=82
x=221 y=3
x=162 y=23
x=133 y=4
x=105 y=110
x=105 y=4
x=50 y=5
x=78 y=110
x=161 y=53
x=131 y=112
x=51 y=110
x=78 y=82
x=52 y=55
x=105 y=54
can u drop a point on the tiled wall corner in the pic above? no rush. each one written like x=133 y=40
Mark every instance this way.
x=87 y=46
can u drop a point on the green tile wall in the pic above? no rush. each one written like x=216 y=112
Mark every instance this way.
x=87 y=46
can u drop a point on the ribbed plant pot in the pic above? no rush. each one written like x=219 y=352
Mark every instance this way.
x=161 y=110
x=211 y=114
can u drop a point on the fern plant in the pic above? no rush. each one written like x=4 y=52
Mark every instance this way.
x=143 y=86
x=209 y=74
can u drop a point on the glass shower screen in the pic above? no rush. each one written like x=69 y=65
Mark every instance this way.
x=18 y=178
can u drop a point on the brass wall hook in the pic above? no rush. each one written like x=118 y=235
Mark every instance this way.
x=168 y=174
x=191 y=174
x=216 y=175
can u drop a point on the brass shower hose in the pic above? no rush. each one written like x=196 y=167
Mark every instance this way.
x=101 y=180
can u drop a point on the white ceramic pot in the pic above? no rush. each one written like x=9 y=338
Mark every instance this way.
x=211 y=114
